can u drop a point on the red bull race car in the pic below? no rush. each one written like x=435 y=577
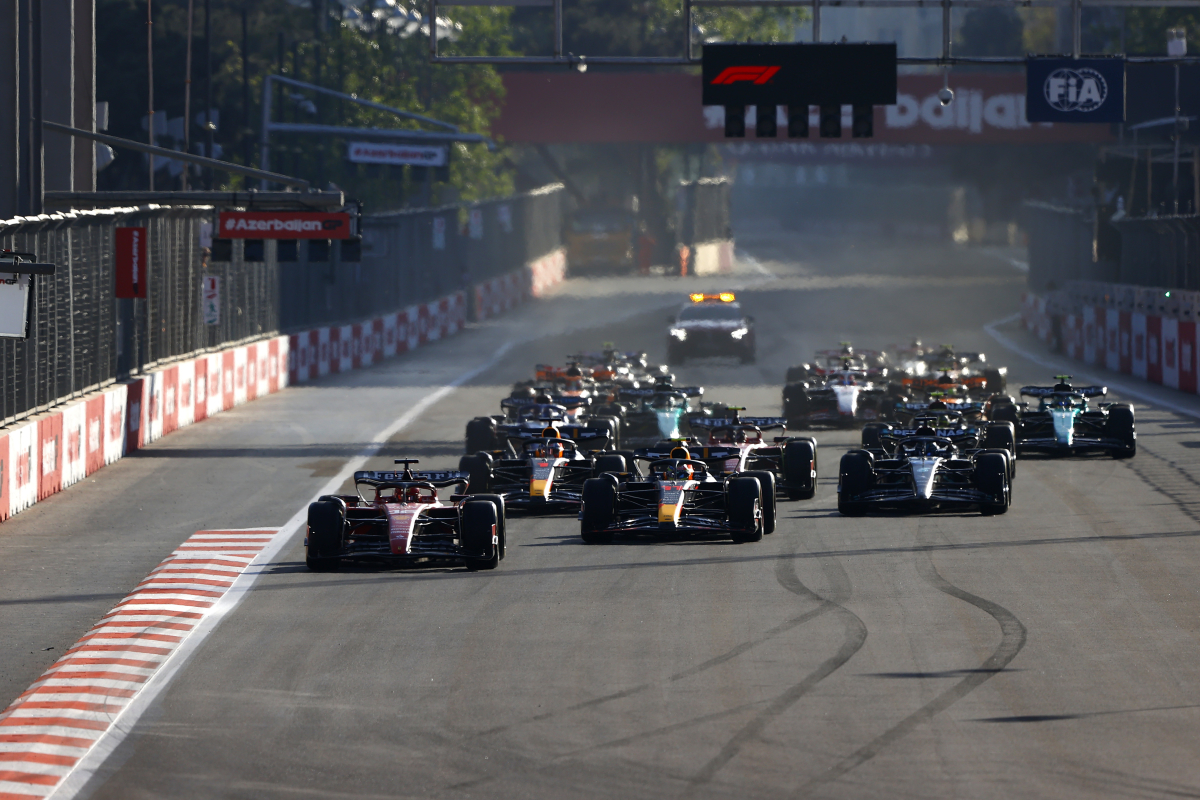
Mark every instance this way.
x=677 y=494
x=398 y=518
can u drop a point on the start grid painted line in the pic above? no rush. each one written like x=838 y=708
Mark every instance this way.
x=46 y=731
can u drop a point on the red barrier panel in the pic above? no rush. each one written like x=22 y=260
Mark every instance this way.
x=170 y=400
x=49 y=460
x=135 y=431
x=1154 y=366
x=5 y=477
x=1187 y=356
x=95 y=434
x=1170 y=353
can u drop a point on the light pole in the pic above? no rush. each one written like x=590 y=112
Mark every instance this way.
x=1176 y=48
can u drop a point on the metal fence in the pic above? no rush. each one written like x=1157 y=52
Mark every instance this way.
x=83 y=337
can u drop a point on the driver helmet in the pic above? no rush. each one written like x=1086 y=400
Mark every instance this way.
x=847 y=380
x=925 y=430
x=682 y=472
x=525 y=392
x=552 y=446
x=938 y=404
x=944 y=379
x=543 y=399
x=411 y=494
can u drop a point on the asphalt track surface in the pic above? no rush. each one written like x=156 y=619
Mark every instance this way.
x=1050 y=652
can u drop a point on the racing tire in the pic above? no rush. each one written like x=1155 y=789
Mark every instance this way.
x=766 y=482
x=795 y=403
x=479 y=468
x=743 y=499
x=1007 y=413
x=479 y=525
x=872 y=435
x=325 y=526
x=501 y=519
x=996 y=381
x=599 y=509
x=614 y=430
x=609 y=463
x=991 y=476
x=1002 y=436
x=481 y=434
x=856 y=475
x=796 y=374
x=1120 y=426
x=799 y=466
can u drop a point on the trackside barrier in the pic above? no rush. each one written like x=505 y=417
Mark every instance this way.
x=47 y=453
x=1155 y=347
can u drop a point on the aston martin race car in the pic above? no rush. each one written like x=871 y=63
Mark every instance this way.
x=924 y=472
x=398 y=518
x=545 y=475
x=1065 y=422
x=711 y=325
x=526 y=418
x=676 y=495
x=651 y=414
x=735 y=444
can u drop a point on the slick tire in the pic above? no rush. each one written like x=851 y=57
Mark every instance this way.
x=872 y=435
x=996 y=381
x=743 y=498
x=479 y=525
x=991 y=476
x=481 y=434
x=796 y=374
x=599 y=509
x=326 y=523
x=501 y=519
x=609 y=463
x=856 y=475
x=1120 y=426
x=1007 y=413
x=1002 y=436
x=614 y=430
x=479 y=468
x=766 y=482
x=800 y=467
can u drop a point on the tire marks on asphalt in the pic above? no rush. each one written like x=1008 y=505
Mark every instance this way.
x=854 y=636
x=1012 y=640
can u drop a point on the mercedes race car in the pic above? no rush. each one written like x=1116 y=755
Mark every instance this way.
x=924 y=472
x=736 y=444
x=678 y=494
x=545 y=475
x=398 y=518
x=1066 y=422
x=949 y=424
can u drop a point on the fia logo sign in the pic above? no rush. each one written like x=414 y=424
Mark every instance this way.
x=1082 y=90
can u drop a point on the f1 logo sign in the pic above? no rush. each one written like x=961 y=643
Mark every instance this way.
x=756 y=75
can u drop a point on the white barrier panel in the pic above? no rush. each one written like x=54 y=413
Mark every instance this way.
x=239 y=376
x=260 y=352
x=152 y=399
x=214 y=387
x=185 y=394
x=114 y=423
x=23 y=474
x=74 y=440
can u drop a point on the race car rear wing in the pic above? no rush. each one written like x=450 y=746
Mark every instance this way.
x=574 y=433
x=1046 y=391
x=760 y=422
x=686 y=391
x=697 y=452
x=945 y=433
x=949 y=407
x=438 y=479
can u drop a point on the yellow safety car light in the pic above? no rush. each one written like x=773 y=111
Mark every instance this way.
x=724 y=297
x=697 y=298
x=727 y=297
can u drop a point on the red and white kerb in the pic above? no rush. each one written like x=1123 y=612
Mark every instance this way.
x=50 y=727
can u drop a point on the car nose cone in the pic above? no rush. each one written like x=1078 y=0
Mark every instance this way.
x=924 y=470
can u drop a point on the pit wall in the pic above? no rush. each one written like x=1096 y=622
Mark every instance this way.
x=1153 y=345
x=45 y=454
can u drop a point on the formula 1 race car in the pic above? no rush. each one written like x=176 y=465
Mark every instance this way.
x=1064 y=421
x=526 y=418
x=736 y=445
x=951 y=373
x=678 y=495
x=545 y=476
x=844 y=398
x=826 y=363
x=660 y=412
x=947 y=424
x=401 y=520
x=924 y=472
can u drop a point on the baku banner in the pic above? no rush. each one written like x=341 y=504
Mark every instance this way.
x=284 y=225
x=131 y=267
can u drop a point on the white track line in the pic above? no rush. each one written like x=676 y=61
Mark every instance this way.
x=125 y=722
x=1072 y=366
